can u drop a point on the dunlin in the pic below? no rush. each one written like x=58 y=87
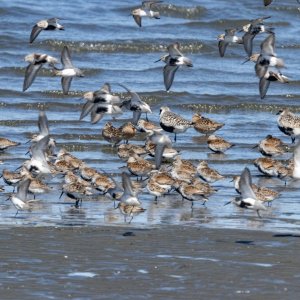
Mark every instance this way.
x=139 y=166
x=208 y=174
x=271 y=167
x=129 y=210
x=136 y=105
x=173 y=61
x=128 y=131
x=36 y=62
x=124 y=150
x=49 y=24
x=147 y=126
x=112 y=134
x=289 y=123
x=228 y=38
x=68 y=72
x=248 y=198
x=218 y=144
x=271 y=146
x=11 y=178
x=6 y=143
x=171 y=122
x=145 y=11
x=205 y=125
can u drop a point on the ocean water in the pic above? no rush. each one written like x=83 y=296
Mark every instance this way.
x=109 y=47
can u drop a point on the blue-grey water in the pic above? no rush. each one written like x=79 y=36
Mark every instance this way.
x=109 y=47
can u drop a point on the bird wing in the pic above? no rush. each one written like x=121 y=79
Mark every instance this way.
x=66 y=83
x=66 y=58
x=248 y=42
x=261 y=67
x=86 y=109
x=222 y=47
x=159 y=150
x=263 y=87
x=127 y=184
x=136 y=114
x=169 y=73
x=43 y=124
x=22 y=189
x=30 y=75
x=245 y=185
x=173 y=50
x=138 y=20
x=106 y=89
x=34 y=33
x=268 y=45
x=95 y=116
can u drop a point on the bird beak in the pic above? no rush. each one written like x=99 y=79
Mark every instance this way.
x=158 y=60
x=255 y=147
x=227 y=203
x=18 y=168
x=246 y=60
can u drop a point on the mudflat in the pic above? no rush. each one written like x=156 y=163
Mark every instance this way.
x=165 y=262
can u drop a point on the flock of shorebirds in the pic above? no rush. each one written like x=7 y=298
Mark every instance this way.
x=167 y=172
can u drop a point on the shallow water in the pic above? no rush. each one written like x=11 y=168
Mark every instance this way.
x=109 y=47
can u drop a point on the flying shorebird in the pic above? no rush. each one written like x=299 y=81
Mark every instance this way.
x=145 y=11
x=173 y=61
x=50 y=24
x=248 y=198
x=136 y=105
x=68 y=71
x=227 y=38
x=36 y=62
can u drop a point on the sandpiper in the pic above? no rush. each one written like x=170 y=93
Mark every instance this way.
x=271 y=167
x=171 y=122
x=112 y=134
x=102 y=182
x=6 y=143
x=289 y=123
x=183 y=170
x=130 y=195
x=129 y=210
x=173 y=61
x=251 y=30
x=145 y=11
x=124 y=150
x=68 y=71
x=248 y=198
x=228 y=38
x=136 y=105
x=76 y=191
x=147 y=126
x=218 y=144
x=11 y=178
x=205 y=125
x=271 y=146
x=49 y=24
x=262 y=193
x=139 y=166
x=155 y=189
x=36 y=62
x=128 y=131
x=208 y=174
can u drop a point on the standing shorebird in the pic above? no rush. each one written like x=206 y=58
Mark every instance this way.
x=145 y=11
x=208 y=174
x=173 y=61
x=172 y=122
x=289 y=123
x=6 y=143
x=271 y=146
x=218 y=144
x=50 y=24
x=205 y=125
x=68 y=71
x=248 y=198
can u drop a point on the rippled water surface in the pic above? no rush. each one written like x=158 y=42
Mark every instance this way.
x=109 y=47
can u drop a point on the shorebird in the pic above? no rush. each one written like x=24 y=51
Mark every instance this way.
x=130 y=196
x=100 y=102
x=218 y=144
x=36 y=62
x=103 y=182
x=271 y=167
x=227 y=38
x=76 y=191
x=205 y=125
x=173 y=61
x=146 y=126
x=145 y=11
x=296 y=162
x=139 y=166
x=267 y=2
x=112 y=134
x=125 y=150
x=6 y=143
x=11 y=178
x=183 y=170
x=262 y=193
x=19 y=199
x=136 y=105
x=129 y=211
x=208 y=174
x=49 y=24
x=271 y=146
x=128 y=131
x=68 y=71
x=248 y=198
x=289 y=123
x=251 y=30
x=171 y=122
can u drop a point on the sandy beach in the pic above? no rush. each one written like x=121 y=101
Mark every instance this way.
x=167 y=262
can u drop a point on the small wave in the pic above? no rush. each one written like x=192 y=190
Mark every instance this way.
x=175 y=11
x=127 y=46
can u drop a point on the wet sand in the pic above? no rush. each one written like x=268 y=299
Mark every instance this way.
x=167 y=262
